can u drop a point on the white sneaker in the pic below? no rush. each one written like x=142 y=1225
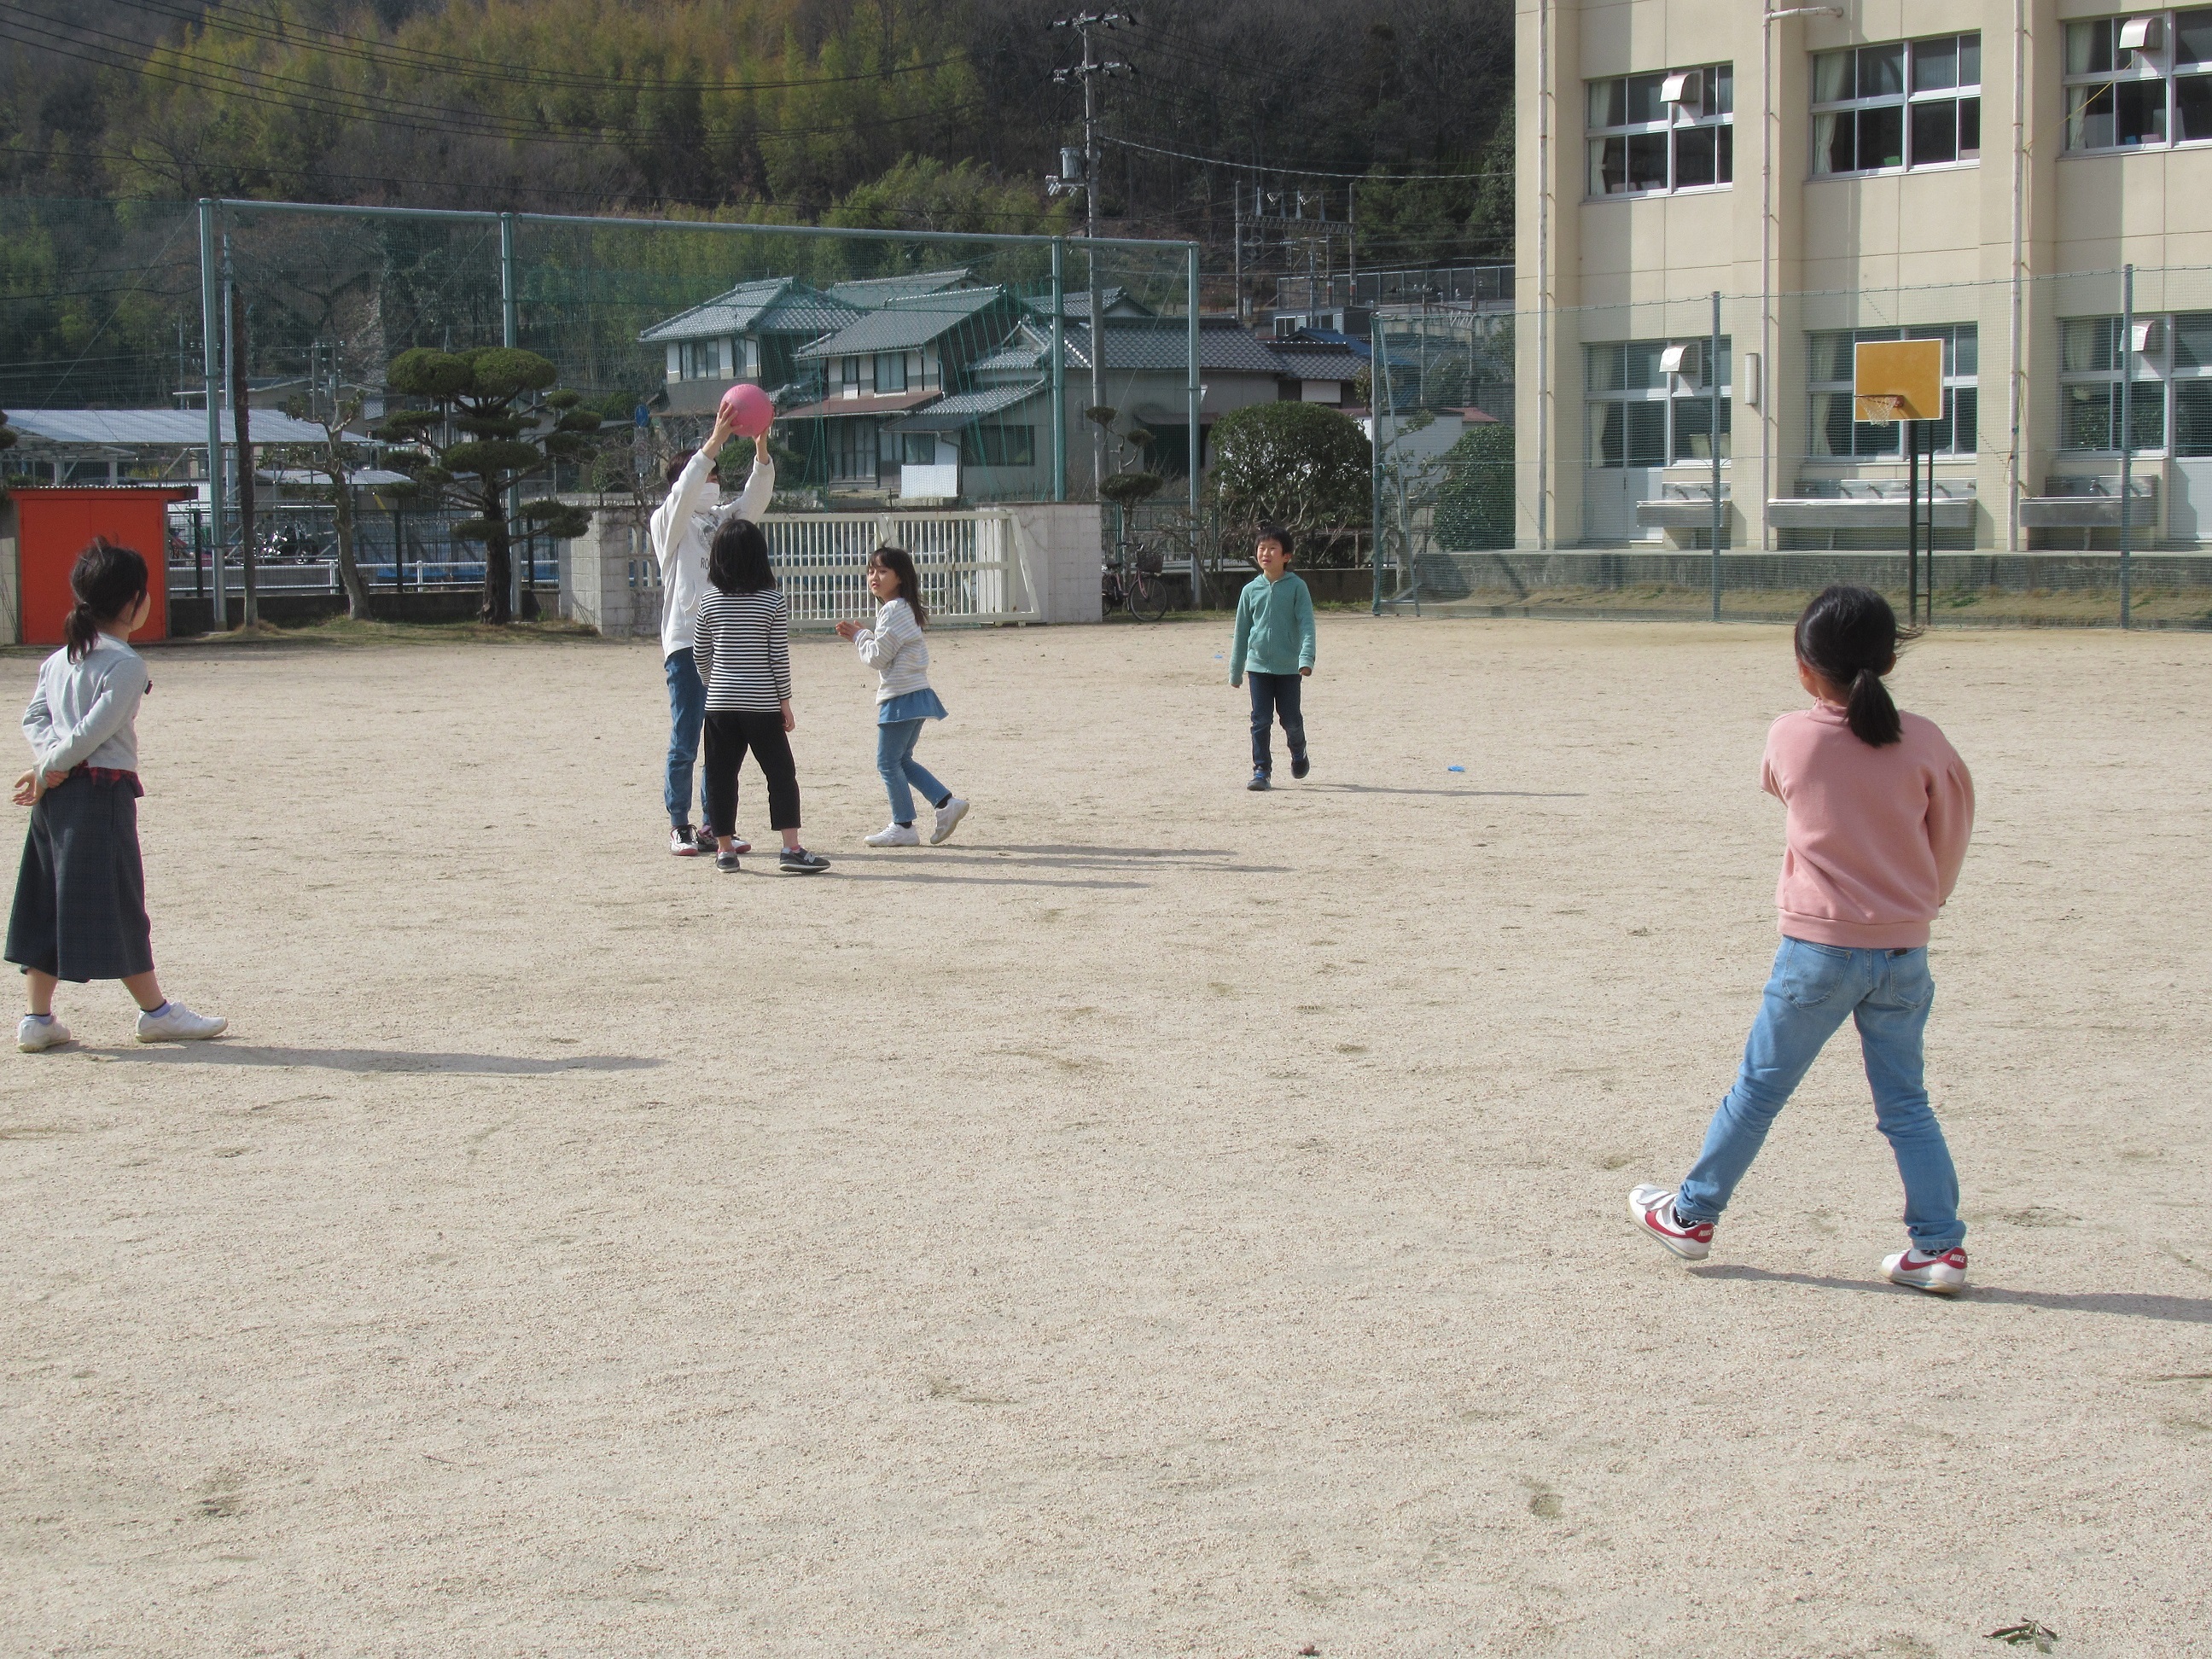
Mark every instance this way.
x=895 y=835
x=1652 y=1210
x=1944 y=1273
x=33 y=1034
x=948 y=819
x=177 y=1023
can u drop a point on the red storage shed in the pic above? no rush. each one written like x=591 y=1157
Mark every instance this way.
x=53 y=526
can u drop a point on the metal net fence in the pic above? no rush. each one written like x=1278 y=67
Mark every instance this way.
x=910 y=372
x=1707 y=457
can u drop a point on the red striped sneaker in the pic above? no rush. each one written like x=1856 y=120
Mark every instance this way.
x=1652 y=1210
x=1944 y=1274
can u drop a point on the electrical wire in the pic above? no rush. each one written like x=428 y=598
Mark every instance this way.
x=1297 y=172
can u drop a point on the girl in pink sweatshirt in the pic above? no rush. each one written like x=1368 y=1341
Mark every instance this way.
x=1880 y=809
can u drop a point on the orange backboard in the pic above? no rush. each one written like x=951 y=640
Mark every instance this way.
x=1898 y=379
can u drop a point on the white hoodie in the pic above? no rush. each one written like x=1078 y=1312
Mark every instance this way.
x=682 y=529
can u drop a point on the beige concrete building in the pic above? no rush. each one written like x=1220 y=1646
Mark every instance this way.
x=1974 y=171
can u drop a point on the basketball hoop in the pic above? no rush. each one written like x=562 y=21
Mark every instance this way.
x=1881 y=407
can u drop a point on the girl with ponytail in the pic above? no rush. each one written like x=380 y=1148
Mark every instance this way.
x=1880 y=808
x=80 y=911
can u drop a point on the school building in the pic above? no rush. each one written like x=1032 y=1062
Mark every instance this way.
x=1975 y=171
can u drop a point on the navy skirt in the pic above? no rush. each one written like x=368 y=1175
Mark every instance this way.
x=81 y=895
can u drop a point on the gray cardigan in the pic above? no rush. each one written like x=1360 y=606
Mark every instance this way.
x=85 y=712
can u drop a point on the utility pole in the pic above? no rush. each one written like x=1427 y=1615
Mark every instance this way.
x=1088 y=72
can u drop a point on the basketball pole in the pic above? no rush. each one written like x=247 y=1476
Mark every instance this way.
x=1713 y=442
x=1911 y=522
x=2127 y=345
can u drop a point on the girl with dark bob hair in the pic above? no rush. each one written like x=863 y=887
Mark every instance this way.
x=80 y=909
x=893 y=645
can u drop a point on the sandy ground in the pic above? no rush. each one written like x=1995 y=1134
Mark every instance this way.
x=1164 y=1220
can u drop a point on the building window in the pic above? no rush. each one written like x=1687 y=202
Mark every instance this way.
x=852 y=448
x=1838 y=436
x=2140 y=81
x=2170 y=391
x=999 y=446
x=1654 y=133
x=1641 y=413
x=890 y=371
x=918 y=449
x=702 y=360
x=1908 y=104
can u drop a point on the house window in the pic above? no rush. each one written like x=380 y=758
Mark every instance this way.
x=2140 y=81
x=1838 y=434
x=702 y=360
x=890 y=371
x=999 y=446
x=1641 y=413
x=2170 y=391
x=1654 y=133
x=853 y=450
x=1908 y=104
x=918 y=448
x=848 y=375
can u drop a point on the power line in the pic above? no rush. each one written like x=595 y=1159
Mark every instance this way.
x=1298 y=171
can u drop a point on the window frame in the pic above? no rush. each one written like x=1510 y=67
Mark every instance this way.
x=1954 y=381
x=1716 y=116
x=2159 y=370
x=1905 y=101
x=1661 y=391
x=2161 y=66
x=980 y=440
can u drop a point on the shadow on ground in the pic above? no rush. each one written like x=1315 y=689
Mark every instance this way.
x=2136 y=1304
x=371 y=1060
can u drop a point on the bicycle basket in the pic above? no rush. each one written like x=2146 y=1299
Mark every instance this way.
x=1147 y=561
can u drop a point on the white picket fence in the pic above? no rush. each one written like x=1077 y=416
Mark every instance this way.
x=971 y=565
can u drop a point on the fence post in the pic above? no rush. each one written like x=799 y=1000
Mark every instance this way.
x=1713 y=440
x=1378 y=395
x=1060 y=368
x=509 y=335
x=1198 y=594
x=2127 y=343
x=211 y=365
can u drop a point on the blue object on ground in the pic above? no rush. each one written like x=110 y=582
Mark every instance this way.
x=1455 y=769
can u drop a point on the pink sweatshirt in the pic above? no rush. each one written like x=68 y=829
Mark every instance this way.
x=1875 y=836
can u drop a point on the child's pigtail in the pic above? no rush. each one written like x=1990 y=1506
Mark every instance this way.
x=1871 y=712
x=1850 y=637
x=79 y=629
x=107 y=581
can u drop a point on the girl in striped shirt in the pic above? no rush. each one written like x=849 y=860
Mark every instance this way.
x=742 y=649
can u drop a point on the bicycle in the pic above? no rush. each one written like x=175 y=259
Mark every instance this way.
x=1132 y=581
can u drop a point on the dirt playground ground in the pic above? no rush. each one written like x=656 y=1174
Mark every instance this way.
x=1164 y=1220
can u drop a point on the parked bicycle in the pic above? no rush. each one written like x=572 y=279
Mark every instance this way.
x=1132 y=581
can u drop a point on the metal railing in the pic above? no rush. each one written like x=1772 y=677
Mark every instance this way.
x=1459 y=285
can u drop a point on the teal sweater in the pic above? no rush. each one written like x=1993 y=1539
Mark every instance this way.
x=1274 y=628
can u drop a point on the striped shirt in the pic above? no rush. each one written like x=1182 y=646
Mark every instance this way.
x=742 y=649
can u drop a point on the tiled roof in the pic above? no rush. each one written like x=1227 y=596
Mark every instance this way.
x=1309 y=361
x=777 y=305
x=904 y=323
x=950 y=414
x=867 y=402
x=869 y=292
x=1076 y=302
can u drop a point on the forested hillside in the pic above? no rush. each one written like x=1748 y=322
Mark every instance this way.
x=895 y=113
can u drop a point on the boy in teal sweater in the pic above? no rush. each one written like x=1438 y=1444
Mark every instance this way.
x=1275 y=646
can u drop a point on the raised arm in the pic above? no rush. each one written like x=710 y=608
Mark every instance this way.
x=688 y=495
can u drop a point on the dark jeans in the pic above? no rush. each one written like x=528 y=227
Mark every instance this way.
x=1274 y=695
x=687 y=703
x=730 y=732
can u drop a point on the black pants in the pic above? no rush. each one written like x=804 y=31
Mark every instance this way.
x=730 y=732
x=1275 y=694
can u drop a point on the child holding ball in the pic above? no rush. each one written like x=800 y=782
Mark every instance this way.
x=1880 y=810
x=79 y=910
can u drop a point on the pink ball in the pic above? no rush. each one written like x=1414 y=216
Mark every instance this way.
x=748 y=409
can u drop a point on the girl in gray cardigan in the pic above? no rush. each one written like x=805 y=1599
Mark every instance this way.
x=895 y=649
x=79 y=910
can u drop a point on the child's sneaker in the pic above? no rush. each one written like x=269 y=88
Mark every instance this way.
x=1259 y=782
x=174 y=1023
x=1300 y=765
x=797 y=861
x=1652 y=1209
x=895 y=835
x=708 y=844
x=34 y=1033
x=682 y=844
x=727 y=862
x=1944 y=1274
x=948 y=819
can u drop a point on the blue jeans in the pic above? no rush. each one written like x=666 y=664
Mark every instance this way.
x=687 y=710
x=1886 y=994
x=901 y=774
